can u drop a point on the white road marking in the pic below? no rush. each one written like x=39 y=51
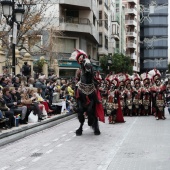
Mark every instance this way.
x=59 y=145
x=55 y=139
x=23 y=167
x=105 y=164
x=4 y=168
x=20 y=159
x=47 y=144
x=67 y=140
x=70 y=132
x=36 y=159
x=86 y=128
x=74 y=136
x=36 y=150
x=49 y=151
x=64 y=135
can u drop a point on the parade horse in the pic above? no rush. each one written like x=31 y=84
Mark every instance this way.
x=87 y=98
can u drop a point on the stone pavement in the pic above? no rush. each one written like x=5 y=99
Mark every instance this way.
x=141 y=143
x=15 y=133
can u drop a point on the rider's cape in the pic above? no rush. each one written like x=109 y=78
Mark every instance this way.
x=99 y=108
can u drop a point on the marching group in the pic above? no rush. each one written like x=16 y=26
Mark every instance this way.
x=136 y=95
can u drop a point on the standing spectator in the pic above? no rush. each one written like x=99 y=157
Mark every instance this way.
x=41 y=84
x=50 y=91
x=26 y=70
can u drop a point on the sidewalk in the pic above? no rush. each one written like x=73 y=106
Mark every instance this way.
x=15 y=133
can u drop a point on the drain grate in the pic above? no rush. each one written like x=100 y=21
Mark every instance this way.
x=36 y=154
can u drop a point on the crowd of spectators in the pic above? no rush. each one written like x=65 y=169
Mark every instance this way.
x=45 y=96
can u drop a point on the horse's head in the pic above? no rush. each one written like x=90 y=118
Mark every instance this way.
x=87 y=65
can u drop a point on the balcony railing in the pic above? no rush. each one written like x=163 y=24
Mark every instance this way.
x=75 y=20
x=132 y=56
x=131 y=10
x=131 y=22
x=131 y=34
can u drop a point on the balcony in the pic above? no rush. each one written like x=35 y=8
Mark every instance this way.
x=132 y=1
x=135 y=69
x=115 y=30
x=131 y=45
x=131 y=11
x=86 y=4
x=131 y=22
x=132 y=56
x=131 y=34
x=82 y=25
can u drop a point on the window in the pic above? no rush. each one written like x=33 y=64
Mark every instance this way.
x=64 y=45
x=106 y=21
x=94 y=20
x=72 y=13
x=106 y=42
x=100 y=39
x=100 y=18
x=100 y=2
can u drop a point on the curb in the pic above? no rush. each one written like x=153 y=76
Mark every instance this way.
x=16 y=134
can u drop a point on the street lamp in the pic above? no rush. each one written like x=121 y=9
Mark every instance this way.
x=14 y=13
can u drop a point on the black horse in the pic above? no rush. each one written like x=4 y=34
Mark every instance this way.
x=87 y=98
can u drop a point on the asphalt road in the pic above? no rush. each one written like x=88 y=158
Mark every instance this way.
x=141 y=143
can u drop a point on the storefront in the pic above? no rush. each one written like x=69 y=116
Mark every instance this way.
x=67 y=68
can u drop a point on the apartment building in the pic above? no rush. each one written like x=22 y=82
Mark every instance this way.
x=132 y=19
x=154 y=35
x=72 y=25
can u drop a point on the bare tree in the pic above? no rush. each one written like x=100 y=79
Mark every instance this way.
x=37 y=17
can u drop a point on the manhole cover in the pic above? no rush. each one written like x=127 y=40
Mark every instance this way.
x=36 y=154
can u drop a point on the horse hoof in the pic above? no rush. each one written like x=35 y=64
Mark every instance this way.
x=97 y=132
x=78 y=132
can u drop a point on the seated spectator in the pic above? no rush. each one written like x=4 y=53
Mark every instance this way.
x=43 y=101
x=13 y=105
x=8 y=114
x=70 y=90
x=17 y=82
x=31 y=82
x=3 y=120
x=33 y=93
x=31 y=105
x=4 y=82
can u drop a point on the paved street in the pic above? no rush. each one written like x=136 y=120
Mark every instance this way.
x=142 y=143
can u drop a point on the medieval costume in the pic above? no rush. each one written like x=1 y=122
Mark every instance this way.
x=146 y=95
x=168 y=96
x=158 y=94
x=128 y=93
x=136 y=95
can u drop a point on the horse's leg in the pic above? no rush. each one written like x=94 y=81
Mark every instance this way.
x=92 y=119
x=81 y=120
x=96 y=126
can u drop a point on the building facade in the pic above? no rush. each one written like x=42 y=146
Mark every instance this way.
x=132 y=19
x=154 y=35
